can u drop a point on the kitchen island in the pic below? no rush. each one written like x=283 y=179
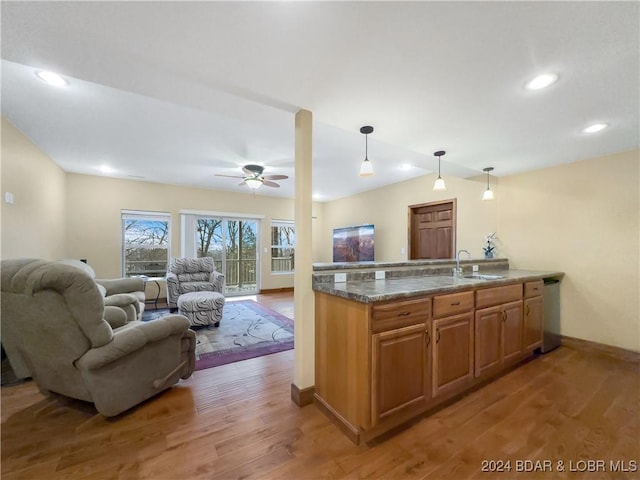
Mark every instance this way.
x=391 y=349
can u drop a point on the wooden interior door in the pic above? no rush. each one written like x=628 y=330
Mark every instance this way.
x=432 y=230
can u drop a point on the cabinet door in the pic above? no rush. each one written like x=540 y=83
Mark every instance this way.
x=452 y=353
x=488 y=340
x=512 y=331
x=532 y=323
x=400 y=370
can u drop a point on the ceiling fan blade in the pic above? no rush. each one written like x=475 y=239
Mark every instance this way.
x=242 y=183
x=228 y=176
x=269 y=183
x=275 y=177
x=247 y=171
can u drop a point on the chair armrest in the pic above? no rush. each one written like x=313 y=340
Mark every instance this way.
x=173 y=288
x=122 y=285
x=217 y=279
x=131 y=337
x=115 y=316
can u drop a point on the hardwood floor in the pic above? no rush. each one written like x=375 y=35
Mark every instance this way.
x=237 y=421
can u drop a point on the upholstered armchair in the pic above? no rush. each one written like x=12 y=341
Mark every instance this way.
x=56 y=329
x=186 y=275
x=126 y=293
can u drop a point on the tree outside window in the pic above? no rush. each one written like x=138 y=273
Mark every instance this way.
x=283 y=241
x=145 y=244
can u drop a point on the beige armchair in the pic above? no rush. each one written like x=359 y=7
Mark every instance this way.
x=126 y=293
x=56 y=329
x=186 y=275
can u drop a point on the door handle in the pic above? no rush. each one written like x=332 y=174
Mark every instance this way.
x=428 y=338
x=438 y=335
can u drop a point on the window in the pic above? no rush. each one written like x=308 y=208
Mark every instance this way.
x=145 y=243
x=283 y=239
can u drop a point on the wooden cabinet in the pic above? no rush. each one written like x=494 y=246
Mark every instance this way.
x=498 y=328
x=452 y=353
x=533 y=316
x=379 y=365
x=400 y=372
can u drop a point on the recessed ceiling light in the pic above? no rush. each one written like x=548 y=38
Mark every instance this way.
x=105 y=169
x=405 y=166
x=541 y=81
x=316 y=196
x=596 y=127
x=52 y=78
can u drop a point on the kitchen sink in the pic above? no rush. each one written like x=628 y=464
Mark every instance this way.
x=483 y=277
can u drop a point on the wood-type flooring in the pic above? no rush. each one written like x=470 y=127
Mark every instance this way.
x=237 y=421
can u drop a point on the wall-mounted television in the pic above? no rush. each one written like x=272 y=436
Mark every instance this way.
x=353 y=244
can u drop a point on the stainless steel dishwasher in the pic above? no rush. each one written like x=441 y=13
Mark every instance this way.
x=551 y=327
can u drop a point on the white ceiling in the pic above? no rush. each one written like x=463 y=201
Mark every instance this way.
x=176 y=92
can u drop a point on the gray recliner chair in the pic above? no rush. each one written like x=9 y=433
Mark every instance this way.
x=126 y=293
x=186 y=275
x=56 y=329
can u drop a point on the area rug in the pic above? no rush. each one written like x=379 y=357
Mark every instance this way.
x=247 y=330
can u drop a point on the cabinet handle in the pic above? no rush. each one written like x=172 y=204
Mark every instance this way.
x=404 y=314
x=438 y=336
x=504 y=316
x=528 y=309
x=428 y=338
x=455 y=303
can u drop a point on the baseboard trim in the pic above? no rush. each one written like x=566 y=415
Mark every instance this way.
x=276 y=290
x=601 y=348
x=303 y=397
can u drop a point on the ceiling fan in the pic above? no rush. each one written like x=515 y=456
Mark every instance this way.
x=255 y=178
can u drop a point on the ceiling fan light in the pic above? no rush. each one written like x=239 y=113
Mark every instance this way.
x=439 y=185
x=253 y=183
x=366 y=169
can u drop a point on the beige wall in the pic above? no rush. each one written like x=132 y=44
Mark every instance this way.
x=387 y=209
x=94 y=206
x=582 y=219
x=34 y=226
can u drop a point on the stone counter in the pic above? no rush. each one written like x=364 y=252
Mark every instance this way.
x=370 y=291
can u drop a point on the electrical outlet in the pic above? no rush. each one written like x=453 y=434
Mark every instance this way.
x=340 y=277
x=380 y=274
x=8 y=198
x=475 y=268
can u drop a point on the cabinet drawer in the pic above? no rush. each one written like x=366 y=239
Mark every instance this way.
x=495 y=296
x=445 y=305
x=386 y=316
x=533 y=289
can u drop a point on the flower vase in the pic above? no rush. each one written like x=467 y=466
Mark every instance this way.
x=488 y=254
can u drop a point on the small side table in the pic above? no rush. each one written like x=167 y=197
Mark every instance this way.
x=156 y=281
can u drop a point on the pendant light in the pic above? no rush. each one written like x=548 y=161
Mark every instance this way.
x=439 y=185
x=488 y=194
x=366 y=169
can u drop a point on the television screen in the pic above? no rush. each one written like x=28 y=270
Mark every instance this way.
x=353 y=244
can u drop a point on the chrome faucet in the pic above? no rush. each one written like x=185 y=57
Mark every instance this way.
x=458 y=270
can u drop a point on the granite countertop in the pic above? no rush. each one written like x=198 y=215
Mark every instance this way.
x=370 y=291
x=333 y=266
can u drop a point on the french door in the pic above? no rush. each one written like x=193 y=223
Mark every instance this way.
x=233 y=245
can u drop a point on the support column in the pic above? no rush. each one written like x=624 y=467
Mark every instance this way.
x=302 y=388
